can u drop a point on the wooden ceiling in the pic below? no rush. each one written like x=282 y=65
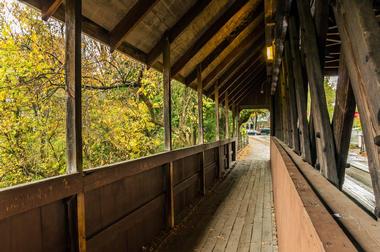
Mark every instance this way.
x=224 y=39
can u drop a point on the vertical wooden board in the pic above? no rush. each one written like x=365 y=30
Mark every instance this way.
x=54 y=228
x=109 y=203
x=5 y=235
x=93 y=212
x=183 y=199
x=26 y=233
x=185 y=168
x=136 y=230
x=210 y=175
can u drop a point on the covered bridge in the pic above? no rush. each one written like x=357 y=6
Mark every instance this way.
x=242 y=54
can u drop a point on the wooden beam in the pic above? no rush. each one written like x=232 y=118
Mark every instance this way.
x=247 y=91
x=73 y=86
x=343 y=119
x=167 y=96
x=236 y=98
x=248 y=78
x=243 y=71
x=232 y=57
x=360 y=35
x=207 y=35
x=129 y=21
x=168 y=168
x=200 y=106
x=49 y=7
x=217 y=127
x=255 y=16
x=227 y=126
x=321 y=20
x=248 y=56
x=73 y=20
x=177 y=29
x=325 y=144
x=284 y=105
x=292 y=99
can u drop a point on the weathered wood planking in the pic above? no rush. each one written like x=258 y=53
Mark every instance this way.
x=124 y=212
x=324 y=136
x=343 y=119
x=360 y=35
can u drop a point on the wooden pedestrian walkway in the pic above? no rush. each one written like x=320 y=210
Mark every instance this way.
x=237 y=215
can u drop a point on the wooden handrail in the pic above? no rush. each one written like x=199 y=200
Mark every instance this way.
x=21 y=198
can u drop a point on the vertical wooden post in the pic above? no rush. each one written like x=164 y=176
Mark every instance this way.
x=325 y=142
x=233 y=120
x=168 y=131
x=217 y=127
x=272 y=115
x=200 y=129
x=284 y=107
x=227 y=130
x=343 y=119
x=226 y=104
x=200 y=106
x=360 y=35
x=73 y=15
x=73 y=86
x=300 y=93
x=292 y=99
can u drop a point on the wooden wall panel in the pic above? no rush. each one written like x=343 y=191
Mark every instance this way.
x=107 y=204
x=185 y=168
x=39 y=229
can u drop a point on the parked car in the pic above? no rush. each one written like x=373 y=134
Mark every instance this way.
x=265 y=131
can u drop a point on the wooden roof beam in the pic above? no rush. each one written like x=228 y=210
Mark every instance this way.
x=254 y=16
x=243 y=85
x=207 y=35
x=232 y=57
x=177 y=29
x=49 y=7
x=242 y=74
x=251 y=74
x=248 y=55
x=237 y=98
x=252 y=78
x=129 y=21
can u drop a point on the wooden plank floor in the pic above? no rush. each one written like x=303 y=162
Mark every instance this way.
x=238 y=214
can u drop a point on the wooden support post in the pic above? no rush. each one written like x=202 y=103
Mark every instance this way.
x=168 y=134
x=284 y=107
x=272 y=119
x=292 y=100
x=73 y=16
x=343 y=119
x=300 y=93
x=233 y=120
x=226 y=117
x=360 y=35
x=324 y=141
x=200 y=129
x=200 y=106
x=217 y=127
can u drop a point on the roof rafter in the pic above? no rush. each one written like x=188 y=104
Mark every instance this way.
x=129 y=21
x=207 y=35
x=253 y=69
x=253 y=16
x=237 y=97
x=248 y=55
x=177 y=29
x=231 y=57
x=49 y=8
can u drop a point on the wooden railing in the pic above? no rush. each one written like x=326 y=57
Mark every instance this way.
x=125 y=205
x=312 y=212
